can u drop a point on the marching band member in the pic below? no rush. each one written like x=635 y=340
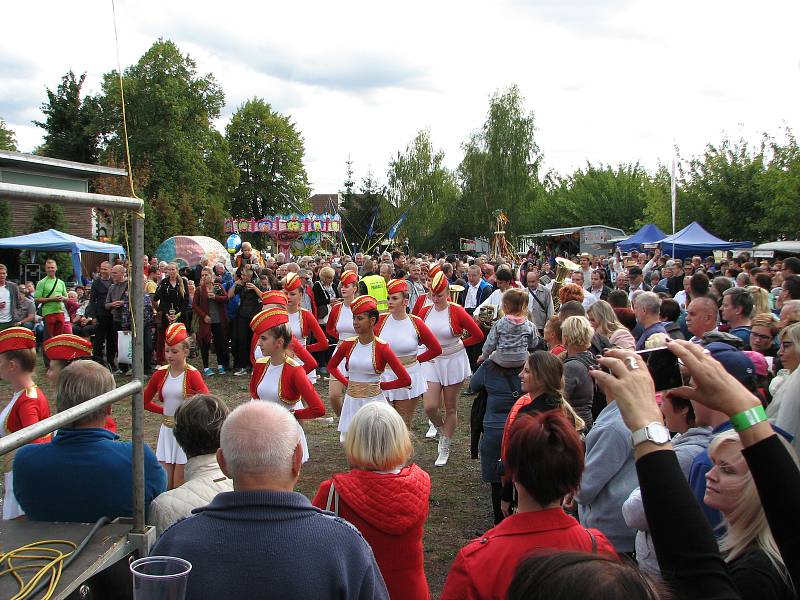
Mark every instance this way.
x=61 y=350
x=405 y=334
x=301 y=321
x=365 y=358
x=340 y=327
x=28 y=404
x=446 y=373
x=279 y=378
x=277 y=299
x=426 y=299
x=171 y=384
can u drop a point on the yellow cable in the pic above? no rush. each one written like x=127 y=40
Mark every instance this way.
x=40 y=551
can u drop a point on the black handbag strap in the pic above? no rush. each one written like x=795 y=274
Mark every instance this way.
x=52 y=289
x=512 y=387
x=539 y=302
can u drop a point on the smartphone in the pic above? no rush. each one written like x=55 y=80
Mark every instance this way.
x=663 y=367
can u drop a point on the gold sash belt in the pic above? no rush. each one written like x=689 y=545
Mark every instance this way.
x=448 y=350
x=363 y=389
x=408 y=360
x=168 y=422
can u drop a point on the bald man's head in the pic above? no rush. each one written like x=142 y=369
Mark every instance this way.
x=702 y=316
x=260 y=441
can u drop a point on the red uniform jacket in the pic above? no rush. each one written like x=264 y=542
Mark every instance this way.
x=333 y=320
x=382 y=356
x=390 y=512
x=192 y=384
x=300 y=351
x=31 y=407
x=421 y=300
x=309 y=325
x=294 y=385
x=484 y=567
x=459 y=322
x=424 y=337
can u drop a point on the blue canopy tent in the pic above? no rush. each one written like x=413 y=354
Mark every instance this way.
x=694 y=240
x=60 y=242
x=649 y=234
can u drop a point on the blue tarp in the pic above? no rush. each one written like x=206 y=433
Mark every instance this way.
x=60 y=242
x=649 y=234
x=694 y=240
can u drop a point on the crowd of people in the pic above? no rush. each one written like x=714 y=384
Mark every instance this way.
x=600 y=486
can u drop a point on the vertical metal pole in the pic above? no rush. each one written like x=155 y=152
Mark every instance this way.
x=137 y=401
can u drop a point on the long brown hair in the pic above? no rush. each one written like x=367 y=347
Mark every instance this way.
x=549 y=370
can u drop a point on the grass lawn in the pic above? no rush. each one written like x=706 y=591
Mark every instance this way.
x=460 y=507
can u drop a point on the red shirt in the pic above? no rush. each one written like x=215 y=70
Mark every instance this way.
x=484 y=568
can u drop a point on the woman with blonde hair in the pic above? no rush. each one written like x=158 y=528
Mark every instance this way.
x=576 y=333
x=760 y=298
x=385 y=498
x=754 y=562
x=604 y=320
x=784 y=410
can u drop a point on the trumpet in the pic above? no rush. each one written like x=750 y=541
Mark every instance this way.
x=564 y=267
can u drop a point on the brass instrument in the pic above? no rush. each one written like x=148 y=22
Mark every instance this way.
x=455 y=290
x=488 y=315
x=564 y=268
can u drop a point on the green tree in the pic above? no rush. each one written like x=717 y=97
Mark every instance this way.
x=500 y=168
x=8 y=141
x=268 y=151
x=51 y=216
x=71 y=123
x=780 y=194
x=419 y=184
x=170 y=110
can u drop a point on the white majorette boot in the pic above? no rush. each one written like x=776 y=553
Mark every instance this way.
x=431 y=433
x=444 y=451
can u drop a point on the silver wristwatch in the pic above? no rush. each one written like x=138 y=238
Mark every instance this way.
x=652 y=432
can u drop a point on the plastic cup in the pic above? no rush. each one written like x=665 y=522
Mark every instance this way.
x=160 y=578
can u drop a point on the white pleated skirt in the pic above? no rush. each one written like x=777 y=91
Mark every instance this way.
x=168 y=450
x=448 y=370
x=350 y=408
x=419 y=384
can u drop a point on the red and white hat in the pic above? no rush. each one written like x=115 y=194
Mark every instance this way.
x=434 y=269
x=67 y=346
x=439 y=283
x=348 y=277
x=291 y=282
x=363 y=304
x=176 y=333
x=274 y=297
x=16 y=338
x=267 y=319
x=397 y=286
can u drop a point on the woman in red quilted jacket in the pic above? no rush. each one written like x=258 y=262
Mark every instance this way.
x=385 y=500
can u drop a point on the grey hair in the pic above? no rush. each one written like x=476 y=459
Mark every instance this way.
x=80 y=381
x=649 y=302
x=259 y=438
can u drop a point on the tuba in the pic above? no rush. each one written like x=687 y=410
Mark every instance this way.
x=455 y=290
x=564 y=267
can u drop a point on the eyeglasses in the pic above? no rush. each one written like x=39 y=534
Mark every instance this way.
x=760 y=336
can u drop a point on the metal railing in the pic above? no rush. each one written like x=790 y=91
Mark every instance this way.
x=24 y=193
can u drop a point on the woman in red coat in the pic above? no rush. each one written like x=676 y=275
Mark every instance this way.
x=171 y=385
x=28 y=404
x=446 y=373
x=301 y=321
x=545 y=461
x=278 y=378
x=383 y=497
x=365 y=357
x=340 y=327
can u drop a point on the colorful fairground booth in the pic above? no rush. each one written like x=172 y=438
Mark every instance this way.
x=293 y=233
x=569 y=241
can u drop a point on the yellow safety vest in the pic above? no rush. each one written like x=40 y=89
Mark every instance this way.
x=376 y=287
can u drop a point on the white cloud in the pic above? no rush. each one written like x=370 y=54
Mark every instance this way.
x=610 y=81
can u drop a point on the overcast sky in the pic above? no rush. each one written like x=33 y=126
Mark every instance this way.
x=608 y=80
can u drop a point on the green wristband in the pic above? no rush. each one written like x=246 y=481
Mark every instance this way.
x=748 y=418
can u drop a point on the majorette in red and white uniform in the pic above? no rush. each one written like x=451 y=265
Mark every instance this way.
x=405 y=337
x=276 y=298
x=425 y=299
x=286 y=383
x=64 y=348
x=340 y=319
x=26 y=407
x=365 y=365
x=452 y=366
x=171 y=390
x=304 y=324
